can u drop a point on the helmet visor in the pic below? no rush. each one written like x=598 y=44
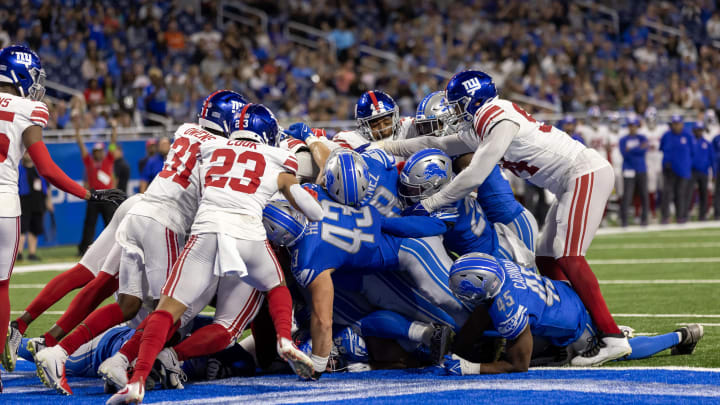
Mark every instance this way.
x=429 y=127
x=410 y=193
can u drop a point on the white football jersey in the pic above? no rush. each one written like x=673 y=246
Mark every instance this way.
x=16 y=115
x=173 y=196
x=239 y=178
x=307 y=169
x=540 y=153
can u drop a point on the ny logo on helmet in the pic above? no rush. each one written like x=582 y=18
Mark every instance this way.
x=380 y=107
x=24 y=58
x=472 y=85
x=235 y=105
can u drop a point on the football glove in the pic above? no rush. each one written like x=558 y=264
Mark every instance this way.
x=113 y=196
x=300 y=130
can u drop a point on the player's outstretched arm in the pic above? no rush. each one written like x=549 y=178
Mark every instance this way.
x=517 y=352
x=32 y=138
x=322 y=292
x=486 y=157
x=413 y=226
x=299 y=197
x=452 y=145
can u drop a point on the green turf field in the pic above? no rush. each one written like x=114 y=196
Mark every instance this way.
x=642 y=295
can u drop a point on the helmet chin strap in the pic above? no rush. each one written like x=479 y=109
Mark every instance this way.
x=17 y=85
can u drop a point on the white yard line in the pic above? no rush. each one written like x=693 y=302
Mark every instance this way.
x=620 y=282
x=616 y=246
x=667 y=316
x=703 y=324
x=658 y=261
x=34 y=268
x=653 y=228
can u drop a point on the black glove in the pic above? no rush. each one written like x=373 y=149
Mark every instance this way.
x=114 y=196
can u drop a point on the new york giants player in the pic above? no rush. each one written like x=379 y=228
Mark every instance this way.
x=228 y=238
x=22 y=117
x=520 y=305
x=151 y=234
x=495 y=194
x=581 y=179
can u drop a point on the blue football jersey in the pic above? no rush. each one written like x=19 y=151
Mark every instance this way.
x=497 y=199
x=472 y=231
x=347 y=240
x=382 y=190
x=552 y=309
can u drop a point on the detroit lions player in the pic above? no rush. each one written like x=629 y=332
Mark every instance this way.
x=522 y=305
x=424 y=174
x=498 y=130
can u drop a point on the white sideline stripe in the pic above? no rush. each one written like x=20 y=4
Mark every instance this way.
x=615 y=246
x=658 y=261
x=659 y=227
x=27 y=286
x=372 y=388
x=703 y=324
x=657 y=281
x=667 y=316
x=34 y=268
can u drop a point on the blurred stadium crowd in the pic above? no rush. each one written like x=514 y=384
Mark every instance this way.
x=164 y=57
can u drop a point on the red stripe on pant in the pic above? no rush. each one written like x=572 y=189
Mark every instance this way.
x=244 y=316
x=171 y=283
x=576 y=216
x=587 y=214
x=568 y=231
x=278 y=269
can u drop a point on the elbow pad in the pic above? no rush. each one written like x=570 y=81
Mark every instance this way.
x=307 y=204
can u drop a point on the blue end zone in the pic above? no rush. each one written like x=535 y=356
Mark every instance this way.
x=565 y=385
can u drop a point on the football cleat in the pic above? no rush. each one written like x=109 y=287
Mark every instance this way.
x=172 y=374
x=602 y=349
x=298 y=361
x=34 y=346
x=132 y=393
x=52 y=363
x=440 y=342
x=691 y=335
x=114 y=371
x=12 y=343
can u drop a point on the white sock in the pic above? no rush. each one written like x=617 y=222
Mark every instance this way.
x=679 y=337
x=420 y=332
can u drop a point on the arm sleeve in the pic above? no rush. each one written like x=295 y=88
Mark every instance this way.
x=413 y=226
x=307 y=204
x=49 y=170
x=452 y=145
x=486 y=157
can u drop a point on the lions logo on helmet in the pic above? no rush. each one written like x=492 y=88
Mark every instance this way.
x=21 y=67
x=424 y=174
x=476 y=278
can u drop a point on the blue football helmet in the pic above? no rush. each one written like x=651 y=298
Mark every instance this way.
x=465 y=94
x=424 y=174
x=346 y=177
x=431 y=114
x=372 y=107
x=218 y=111
x=255 y=122
x=283 y=223
x=20 y=66
x=476 y=278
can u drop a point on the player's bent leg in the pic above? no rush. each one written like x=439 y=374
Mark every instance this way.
x=526 y=228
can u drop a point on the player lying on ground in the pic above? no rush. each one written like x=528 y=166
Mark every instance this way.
x=22 y=117
x=523 y=306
